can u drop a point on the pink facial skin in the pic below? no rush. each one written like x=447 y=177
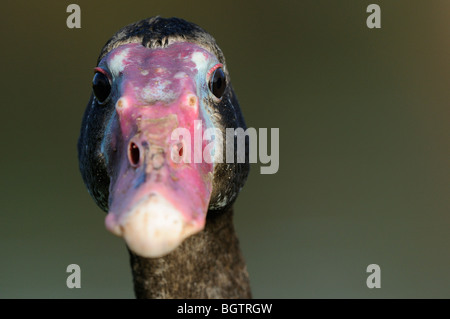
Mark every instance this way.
x=155 y=203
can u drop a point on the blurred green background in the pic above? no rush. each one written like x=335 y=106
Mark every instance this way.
x=364 y=145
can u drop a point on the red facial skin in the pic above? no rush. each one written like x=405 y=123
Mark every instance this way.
x=157 y=91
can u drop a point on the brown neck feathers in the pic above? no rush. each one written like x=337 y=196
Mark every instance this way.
x=206 y=265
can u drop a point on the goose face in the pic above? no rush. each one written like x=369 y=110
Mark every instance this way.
x=159 y=193
x=155 y=77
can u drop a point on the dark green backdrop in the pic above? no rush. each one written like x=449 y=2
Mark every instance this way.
x=364 y=145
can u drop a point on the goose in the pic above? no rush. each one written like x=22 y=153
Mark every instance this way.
x=175 y=212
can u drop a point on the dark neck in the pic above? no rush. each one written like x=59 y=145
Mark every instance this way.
x=206 y=265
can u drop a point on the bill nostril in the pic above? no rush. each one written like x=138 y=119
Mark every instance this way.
x=134 y=155
x=177 y=152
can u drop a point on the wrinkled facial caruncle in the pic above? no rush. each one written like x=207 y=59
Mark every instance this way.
x=155 y=201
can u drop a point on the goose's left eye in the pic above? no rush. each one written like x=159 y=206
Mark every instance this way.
x=218 y=83
x=101 y=87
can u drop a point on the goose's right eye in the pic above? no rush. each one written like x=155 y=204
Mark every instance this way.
x=101 y=87
x=218 y=83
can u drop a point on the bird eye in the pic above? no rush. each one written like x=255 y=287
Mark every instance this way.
x=217 y=83
x=101 y=86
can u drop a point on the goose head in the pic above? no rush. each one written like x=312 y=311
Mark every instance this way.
x=158 y=86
